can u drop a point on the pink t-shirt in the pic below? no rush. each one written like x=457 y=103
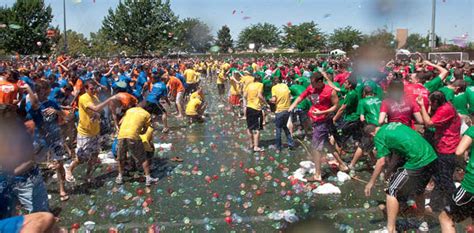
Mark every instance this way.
x=342 y=77
x=448 y=126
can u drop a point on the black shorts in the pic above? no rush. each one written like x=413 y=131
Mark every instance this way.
x=221 y=89
x=299 y=116
x=157 y=109
x=254 y=119
x=192 y=87
x=343 y=130
x=272 y=107
x=405 y=183
x=461 y=206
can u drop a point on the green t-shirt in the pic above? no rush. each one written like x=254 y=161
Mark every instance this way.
x=304 y=81
x=351 y=101
x=376 y=89
x=296 y=91
x=468 y=182
x=460 y=103
x=470 y=98
x=232 y=71
x=267 y=88
x=448 y=93
x=369 y=107
x=406 y=142
x=277 y=73
x=468 y=80
x=434 y=84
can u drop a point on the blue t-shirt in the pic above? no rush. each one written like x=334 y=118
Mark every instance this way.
x=182 y=79
x=56 y=95
x=28 y=81
x=62 y=83
x=141 y=80
x=158 y=90
x=46 y=126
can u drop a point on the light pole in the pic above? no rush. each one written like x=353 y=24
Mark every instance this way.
x=433 y=19
x=65 y=34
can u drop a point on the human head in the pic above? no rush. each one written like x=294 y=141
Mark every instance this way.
x=437 y=99
x=370 y=130
x=395 y=90
x=317 y=80
x=351 y=82
x=90 y=88
x=42 y=89
x=368 y=91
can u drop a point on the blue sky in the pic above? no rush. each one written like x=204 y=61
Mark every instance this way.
x=454 y=17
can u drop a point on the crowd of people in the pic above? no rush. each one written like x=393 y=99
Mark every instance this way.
x=411 y=118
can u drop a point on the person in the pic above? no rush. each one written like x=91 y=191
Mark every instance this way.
x=409 y=179
x=244 y=82
x=324 y=101
x=299 y=116
x=176 y=92
x=88 y=130
x=121 y=103
x=40 y=222
x=368 y=110
x=235 y=90
x=136 y=121
x=192 y=79
x=196 y=106
x=282 y=99
x=158 y=92
x=254 y=119
x=461 y=205
x=446 y=138
x=45 y=114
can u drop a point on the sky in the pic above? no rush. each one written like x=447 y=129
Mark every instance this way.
x=453 y=17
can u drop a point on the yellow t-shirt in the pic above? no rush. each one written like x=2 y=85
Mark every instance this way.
x=195 y=95
x=191 y=76
x=135 y=120
x=234 y=88
x=221 y=77
x=254 y=66
x=252 y=95
x=192 y=107
x=88 y=125
x=246 y=80
x=283 y=97
x=147 y=139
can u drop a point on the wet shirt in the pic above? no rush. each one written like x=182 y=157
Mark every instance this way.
x=89 y=122
x=46 y=126
x=448 y=125
x=158 y=91
x=400 y=111
x=320 y=99
x=351 y=101
x=406 y=142
x=252 y=95
x=369 y=107
x=135 y=120
x=283 y=98
x=468 y=182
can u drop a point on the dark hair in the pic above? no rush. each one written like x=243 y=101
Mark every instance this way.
x=370 y=128
x=352 y=80
x=316 y=76
x=461 y=84
x=458 y=74
x=437 y=99
x=368 y=91
x=423 y=77
x=395 y=90
x=41 y=84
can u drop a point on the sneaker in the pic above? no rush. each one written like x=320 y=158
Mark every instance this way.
x=150 y=180
x=119 y=180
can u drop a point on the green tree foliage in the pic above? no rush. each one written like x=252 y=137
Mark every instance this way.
x=100 y=46
x=145 y=25
x=224 y=39
x=26 y=24
x=381 y=38
x=417 y=43
x=194 y=35
x=345 y=38
x=262 y=35
x=77 y=43
x=306 y=36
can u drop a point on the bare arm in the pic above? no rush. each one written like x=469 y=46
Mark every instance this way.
x=335 y=103
x=377 y=170
x=465 y=143
x=330 y=82
x=443 y=73
x=339 y=113
x=382 y=117
x=99 y=107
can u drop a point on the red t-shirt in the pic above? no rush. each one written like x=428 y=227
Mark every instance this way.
x=342 y=77
x=448 y=126
x=320 y=100
x=413 y=90
x=8 y=92
x=400 y=111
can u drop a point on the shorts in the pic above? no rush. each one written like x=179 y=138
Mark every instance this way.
x=134 y=148
x=192 y=87
x=13 y=224
x=254 y=119
x=87 y=147
x=157 y=109
x=56 y=150
x=461 y=205
x=272 y=107
x=179 y=97
x=221 y=89
x=195 y=118
x=343 y=130
x=234 y=100
x=320 y=135
x=300 y=116
x=406 y=183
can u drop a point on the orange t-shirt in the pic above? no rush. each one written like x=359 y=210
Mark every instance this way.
x=8 y=92
x=175 y=86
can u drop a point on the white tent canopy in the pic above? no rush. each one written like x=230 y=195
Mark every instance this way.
x=403 y=51
x=337 y=52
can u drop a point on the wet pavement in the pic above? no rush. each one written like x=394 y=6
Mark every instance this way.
x=220 y=186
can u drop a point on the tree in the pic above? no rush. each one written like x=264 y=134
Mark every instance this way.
x=381 y=38
x=145 y=25
x=100 y=46
x=306 y=36
x=27 y=22
x=345 y=38
x=194 y=35
x=77 y=43
x=224 y=39
x=262 y=35
x=415 y=42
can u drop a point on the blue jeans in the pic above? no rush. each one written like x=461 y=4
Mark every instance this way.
x=281 y=120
